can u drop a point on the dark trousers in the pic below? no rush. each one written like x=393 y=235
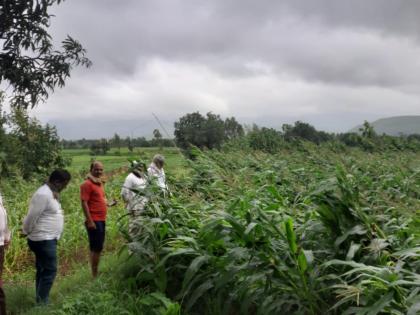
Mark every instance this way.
x=46 y=267
x=2 y=297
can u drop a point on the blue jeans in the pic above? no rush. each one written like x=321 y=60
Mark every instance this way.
x=46 y=267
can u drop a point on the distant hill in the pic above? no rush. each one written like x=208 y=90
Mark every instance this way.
x=95 y=129
x=395 y=126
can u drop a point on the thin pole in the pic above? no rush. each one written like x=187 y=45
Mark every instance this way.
x=166 y=132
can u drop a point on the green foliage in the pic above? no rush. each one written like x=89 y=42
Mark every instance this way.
x=116 y=141
x=302 y=232
x=28 y=60
x=307 y=231
x=29 y=148
x=265 y=139
x=205 y=132
x=130 y=145
x=100 y=147
x=233 y=129
x=140 y=142
x=157 y=137
x=156 y=134
x=304 y=131
x=367 y=130
x=219 y=246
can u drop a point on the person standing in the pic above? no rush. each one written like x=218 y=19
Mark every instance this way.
x=94 y=205
x=4 y=243
x=133 y=196
x=157 y=173
x=43 y=226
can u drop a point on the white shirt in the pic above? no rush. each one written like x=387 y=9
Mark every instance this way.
x=4 y=231
x=129 y=192
x=45 y=219
x=159 y=174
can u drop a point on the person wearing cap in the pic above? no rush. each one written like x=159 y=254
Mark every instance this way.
x=157 y=173
x=4 y=243
x=132 y=193
x=94 y=205
x=43 y=226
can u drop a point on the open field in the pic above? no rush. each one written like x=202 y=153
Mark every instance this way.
x=304 y=231
x=81 y=158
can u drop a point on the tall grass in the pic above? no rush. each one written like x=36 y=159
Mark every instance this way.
x=303 y=232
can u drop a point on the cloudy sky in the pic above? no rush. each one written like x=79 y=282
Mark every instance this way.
x=330 y=63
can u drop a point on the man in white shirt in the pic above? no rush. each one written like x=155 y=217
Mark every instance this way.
x=132 y=193
x=157 y=173
x=43 y=226
x=4 y=243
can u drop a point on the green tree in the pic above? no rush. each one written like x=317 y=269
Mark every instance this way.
x=305 y=131
x=104 y=146
x=265 y=139
x=116 y=141
x=189 y=130
x=31 y=147
x=203 y=132
x=95 y=148
x=99 y=147
x=157 y=137
x=233 y=129
x=214 y=129
x=130 y=144
x=367 y=130
x=29 y=62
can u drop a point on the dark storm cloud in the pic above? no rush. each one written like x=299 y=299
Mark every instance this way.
x=397 y=17
x=257 y=60
x=344 y=42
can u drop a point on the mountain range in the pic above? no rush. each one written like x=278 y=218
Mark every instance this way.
x=395 y=126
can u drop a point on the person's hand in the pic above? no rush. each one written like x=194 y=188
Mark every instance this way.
x=91 y=225
x=6 y=243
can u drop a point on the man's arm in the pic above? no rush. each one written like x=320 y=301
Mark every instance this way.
x=36 y=207
x=89 y=221
x=6 y=232
x=85 y=191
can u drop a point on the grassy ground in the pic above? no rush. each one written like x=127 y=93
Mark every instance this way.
x=20 y=297
x=115 y=158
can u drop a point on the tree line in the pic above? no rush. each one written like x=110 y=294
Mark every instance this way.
x=103 y=145
x=212 y=132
